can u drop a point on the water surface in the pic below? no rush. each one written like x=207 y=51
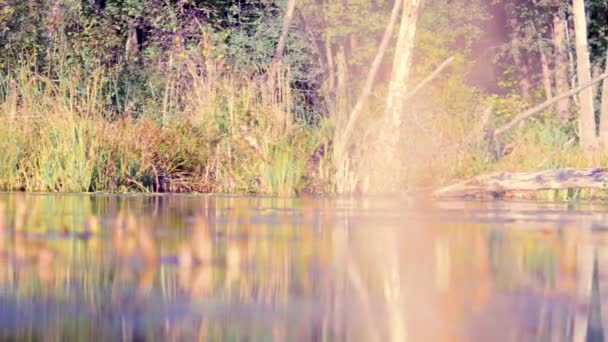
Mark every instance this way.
x=186 y=267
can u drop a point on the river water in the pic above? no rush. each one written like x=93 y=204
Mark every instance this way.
x=194 y=267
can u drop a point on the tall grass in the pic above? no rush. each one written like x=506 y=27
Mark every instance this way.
x=64 y=135
x=205 y=128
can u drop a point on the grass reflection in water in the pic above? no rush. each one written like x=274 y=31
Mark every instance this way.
x=172 y=268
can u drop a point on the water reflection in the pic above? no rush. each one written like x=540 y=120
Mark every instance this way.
x=175 y=268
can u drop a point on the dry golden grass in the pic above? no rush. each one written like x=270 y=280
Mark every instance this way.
x=60 y=135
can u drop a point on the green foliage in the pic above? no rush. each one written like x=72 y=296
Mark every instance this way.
x=57 y=36
x=181 y=78
x=597 y=30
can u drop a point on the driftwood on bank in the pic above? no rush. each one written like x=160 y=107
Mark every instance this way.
x=501 y=182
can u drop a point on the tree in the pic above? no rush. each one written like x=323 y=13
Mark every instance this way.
x=586 y=119
x=560 y=61
x=291 y=6
x=603 y=131
x=544 y=62
x=402 y=61
x=517 y=49
x=369 y=82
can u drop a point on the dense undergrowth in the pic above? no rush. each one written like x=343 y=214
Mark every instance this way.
x=235 y=132
x=227 y=132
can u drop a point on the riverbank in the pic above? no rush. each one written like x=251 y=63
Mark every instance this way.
x=225 y=131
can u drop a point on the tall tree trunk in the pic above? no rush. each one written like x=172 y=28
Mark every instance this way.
x=571 y=61
x=522 y=71
x=561 y=64
x=604 y=111
x=291 y=7
x=344 y=140
x=521 y=65
x=583 y=67
x=314 y=39
x=131 y=46
x=341 y=99
x=544 y=62
x=585 y=261
x=401 y=70
x=331 y=66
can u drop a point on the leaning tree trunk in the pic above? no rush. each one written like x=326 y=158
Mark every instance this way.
x=561 y=64
x=401 y=70
x=369 y=81
x=604 y=111
x=583 y=68
x=291 y=7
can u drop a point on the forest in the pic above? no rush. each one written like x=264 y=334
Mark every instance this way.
x=287 y=97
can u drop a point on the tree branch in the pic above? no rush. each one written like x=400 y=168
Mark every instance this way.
x=536 y=109
x=369 y=81
x=429 y=78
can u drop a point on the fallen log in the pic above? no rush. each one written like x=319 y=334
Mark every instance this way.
x=497 y=184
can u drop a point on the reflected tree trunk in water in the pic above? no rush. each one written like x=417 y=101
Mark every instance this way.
x=594 y=327
x=379 y=277
x=602 y=284
x=393 y=291
x=584 y=285
x=591 y=309
x=339 y=238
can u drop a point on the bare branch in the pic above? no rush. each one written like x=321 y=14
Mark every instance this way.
x=369 y=81
x=539 y=108
x=428 y=79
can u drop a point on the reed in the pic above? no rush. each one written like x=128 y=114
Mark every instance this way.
x=66 y=134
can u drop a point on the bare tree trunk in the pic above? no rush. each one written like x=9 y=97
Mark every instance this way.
x=604 y=111
x=331 y=65
x=585 y=261
x=369 y=82
x=354 y=44
x=401 y=70
x=314 y=40
x=131 y=46
x=544 y=62
x=291 y=7
x=341 y=98
x=571 y=61
x=523 y=72
x=586 y=125
x=561 y=64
